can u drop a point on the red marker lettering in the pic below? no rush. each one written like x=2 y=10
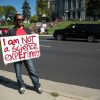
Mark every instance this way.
x=4 y=41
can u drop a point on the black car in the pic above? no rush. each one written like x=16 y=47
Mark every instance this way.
x=81 y=31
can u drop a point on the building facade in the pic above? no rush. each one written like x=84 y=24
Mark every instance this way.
x=68 y=9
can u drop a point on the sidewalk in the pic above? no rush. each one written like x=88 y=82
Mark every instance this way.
x=8 y=90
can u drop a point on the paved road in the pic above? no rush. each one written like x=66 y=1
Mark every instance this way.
x=73 y=62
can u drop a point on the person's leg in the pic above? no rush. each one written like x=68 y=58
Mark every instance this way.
x=18 y=70
x=32 y=74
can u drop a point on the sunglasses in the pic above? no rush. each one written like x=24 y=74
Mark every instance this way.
x=19 y=19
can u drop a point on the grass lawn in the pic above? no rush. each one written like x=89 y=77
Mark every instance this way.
x=66 y=23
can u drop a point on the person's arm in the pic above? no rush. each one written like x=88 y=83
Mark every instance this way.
x=28 y=31
x=9 y=33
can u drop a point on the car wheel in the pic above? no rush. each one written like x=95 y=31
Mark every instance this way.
x=59 y=37
x=91 y=38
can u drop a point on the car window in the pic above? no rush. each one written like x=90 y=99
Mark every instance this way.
x=70 y=26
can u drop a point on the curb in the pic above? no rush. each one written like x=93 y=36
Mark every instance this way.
x=45 y=35
x=65 y=91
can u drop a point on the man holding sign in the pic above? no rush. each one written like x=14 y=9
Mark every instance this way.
x=20 y=30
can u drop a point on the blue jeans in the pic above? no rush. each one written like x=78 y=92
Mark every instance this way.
x=31 y=71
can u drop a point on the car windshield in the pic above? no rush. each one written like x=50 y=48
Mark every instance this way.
x=70 y=26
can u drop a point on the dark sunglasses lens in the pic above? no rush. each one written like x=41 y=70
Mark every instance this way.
x=20 y=19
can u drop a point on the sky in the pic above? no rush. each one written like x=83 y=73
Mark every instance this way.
x=18 y=5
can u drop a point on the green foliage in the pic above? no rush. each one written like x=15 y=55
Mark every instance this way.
x=26 y=10
x=54 y=94
x=10 y=26
x=8 y=10
x=1 y=11
x=3 y=22
x=93 y=8
x=42 y=8
x=33 y=19
x=28 y=25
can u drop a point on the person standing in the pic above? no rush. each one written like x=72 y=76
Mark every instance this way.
x=20 y=29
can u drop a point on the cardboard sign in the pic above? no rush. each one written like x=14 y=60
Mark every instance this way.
x=17 y=48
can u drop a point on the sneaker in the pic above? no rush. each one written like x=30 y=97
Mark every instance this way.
x=22 y=90
x=38 y=90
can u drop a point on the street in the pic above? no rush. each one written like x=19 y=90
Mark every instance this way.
x=72 y=62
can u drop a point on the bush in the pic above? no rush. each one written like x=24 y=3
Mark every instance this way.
x=3 y=22
x=33 y=19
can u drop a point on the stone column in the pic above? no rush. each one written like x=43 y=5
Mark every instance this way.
x=48 y=4
x=82 y=10
x=59 y=8
x=66 y=9
x=71 y=12
x=76 y=12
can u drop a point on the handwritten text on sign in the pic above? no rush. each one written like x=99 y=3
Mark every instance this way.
x=16 y=48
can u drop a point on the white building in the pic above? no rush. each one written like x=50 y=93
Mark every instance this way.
x=68 y=9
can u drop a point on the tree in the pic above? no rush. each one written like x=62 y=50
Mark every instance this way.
x=1 y=11
x=42 y=9
x=26 y=10
x=51 y=10
x=33 y=19
x=93 y=8
x=9 y=11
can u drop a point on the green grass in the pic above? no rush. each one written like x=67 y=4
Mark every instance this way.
x=54 y=94
x=6 y=26
x=66 y=23
x=10 y=26
x=28 y=25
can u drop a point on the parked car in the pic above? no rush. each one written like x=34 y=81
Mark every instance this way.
x=91 y=32
x=3 y=31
